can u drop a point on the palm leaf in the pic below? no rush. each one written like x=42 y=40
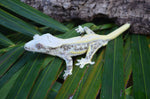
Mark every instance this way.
x=9 y=58
x=4 y=41
x=14 y=23
x=141 y=67
x=49 y=74
x=32 y=14
x=127 y=60
x=15 y=68
x=113 y=80
x=54 y=90
x=91 y=86
x=6 y=88
x=24 y=82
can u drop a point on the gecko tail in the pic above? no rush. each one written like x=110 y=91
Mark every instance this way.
x=118 y=31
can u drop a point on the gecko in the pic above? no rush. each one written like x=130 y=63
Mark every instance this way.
x=67 y=48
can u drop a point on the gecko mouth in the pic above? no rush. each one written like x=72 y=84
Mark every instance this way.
x=28 y=48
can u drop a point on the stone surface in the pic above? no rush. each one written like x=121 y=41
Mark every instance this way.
x=136 y=12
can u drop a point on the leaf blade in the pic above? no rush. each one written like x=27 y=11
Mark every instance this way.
x=92 y=85
x=16 y=24
x=26 y=79
x=5 y=89
x=49 y=74
x=113 y=81
x=140 y=65
x=127 y=60
x=16 y=67
x=70 y=84
x=5 y=41
x=32 y=14
x=9 y=58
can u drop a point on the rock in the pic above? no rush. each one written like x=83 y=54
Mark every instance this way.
x=136 y=12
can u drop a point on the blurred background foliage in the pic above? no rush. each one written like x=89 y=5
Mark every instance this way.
x=121 y=71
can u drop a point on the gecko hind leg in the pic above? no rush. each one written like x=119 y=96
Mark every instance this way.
x=93 y=47
x=88 y=30
x=69 y=67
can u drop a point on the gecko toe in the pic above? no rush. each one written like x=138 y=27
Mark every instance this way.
x=81 y=66
x=77 y=64
x=78 y=60
x=92 y=63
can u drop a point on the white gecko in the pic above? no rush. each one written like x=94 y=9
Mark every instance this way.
x=66 y=48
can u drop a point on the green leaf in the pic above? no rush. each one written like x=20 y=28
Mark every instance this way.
x=5 y=41
x=32 y=14
x=5 y=89
x=26 y=79
x=3 y=50
x=83 y=80
x=92 y=85
x=129 y=91
x=129 y=97
x=127 y=60
x=106 y=26
x=102 y=27
x=141 y=67
x=8 y=59
x=16 y=67
x=71 y=83
x=54 y=90
x=16 y=24
x=113 y=77
x=46 y=79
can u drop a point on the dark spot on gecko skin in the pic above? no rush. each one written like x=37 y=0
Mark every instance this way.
x=48 y=50
x=69 y=68
x=66 y=47
x=76 y=47
x=80 y=47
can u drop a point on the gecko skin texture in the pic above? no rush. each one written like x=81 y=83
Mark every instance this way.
x=67 y=48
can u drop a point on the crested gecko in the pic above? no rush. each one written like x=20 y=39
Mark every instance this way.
x=67 y=48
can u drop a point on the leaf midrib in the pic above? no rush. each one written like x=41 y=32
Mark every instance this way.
x=41 y=82
x=26 y=77
x=5 y=59
x=142 y=66
x=114 y=68
x=70 y=84
x=17 y=22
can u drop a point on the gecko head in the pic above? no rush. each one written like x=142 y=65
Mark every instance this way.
x=39 y=43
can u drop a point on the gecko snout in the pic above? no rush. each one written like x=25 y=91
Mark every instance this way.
x=28 y=48
x=25 y=47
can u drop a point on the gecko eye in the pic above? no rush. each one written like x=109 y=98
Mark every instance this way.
x=39 y=46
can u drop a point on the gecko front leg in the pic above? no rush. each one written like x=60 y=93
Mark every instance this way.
x=88 y=30
x=84 y=29
x=69 y=66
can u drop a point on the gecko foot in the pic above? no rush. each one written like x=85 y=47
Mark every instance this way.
x=80 y=29
x=67 y=73
x=83 y=62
